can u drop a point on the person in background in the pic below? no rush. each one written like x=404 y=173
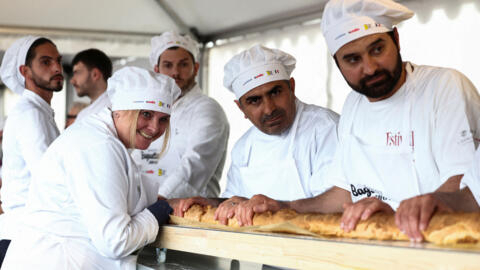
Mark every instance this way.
x=91 y=70
x=287 y=153
x=89 y=207
x=193 y=162
x=72 y=114
x=32 y=68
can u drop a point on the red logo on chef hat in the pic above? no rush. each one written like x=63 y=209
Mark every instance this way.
x=365 y=27
x=267 y=73
x=150 y=102
x=258 y=76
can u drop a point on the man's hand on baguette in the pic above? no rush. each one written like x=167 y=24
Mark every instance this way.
x=227 y=208
x=361 y=210
x=257 y=204
x=414 y=214
x=180 y=206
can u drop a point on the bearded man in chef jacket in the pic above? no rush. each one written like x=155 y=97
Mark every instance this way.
x=32 y=68
x=193 y=163
x=286 y=154
x=405 y=130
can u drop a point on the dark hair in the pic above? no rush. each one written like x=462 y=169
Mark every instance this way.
x=176 y=48
x=31 y=53
x=94 y=58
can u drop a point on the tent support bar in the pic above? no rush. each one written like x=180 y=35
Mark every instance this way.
x=177 y=20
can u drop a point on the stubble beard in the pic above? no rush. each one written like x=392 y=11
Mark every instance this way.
x=46 y=85
x=189 y=83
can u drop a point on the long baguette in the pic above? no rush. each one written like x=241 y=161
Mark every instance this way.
x=444 y=228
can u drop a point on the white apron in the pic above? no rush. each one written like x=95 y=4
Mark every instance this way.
x=385 y=172
x=279 y=178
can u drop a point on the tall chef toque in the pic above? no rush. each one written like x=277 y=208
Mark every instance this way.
x=171 y=39
x=14 y=57
x=347 y=20
x=256 y=66
x=133 y=88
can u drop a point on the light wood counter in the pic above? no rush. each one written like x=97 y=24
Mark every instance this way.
x=302 y=252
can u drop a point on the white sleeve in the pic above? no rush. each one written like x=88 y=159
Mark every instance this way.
x=35 y=132
x=472 y=178
x=326 y=141
x=98 y=181
x=234 y=183
x=335 y=175
x=453 y=145
x=206 y=147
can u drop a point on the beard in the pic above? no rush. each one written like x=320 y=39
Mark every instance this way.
x=189 y=83
x=50 y=85
x=85 y=88
x=383 y=87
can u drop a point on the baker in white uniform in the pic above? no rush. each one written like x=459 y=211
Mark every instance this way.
x=88 y=207
x=287 y=152
x=405 y=130
x=32 y=68
x=193 y=162
x=91 y=70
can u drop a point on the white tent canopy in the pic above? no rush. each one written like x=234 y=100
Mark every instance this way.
x=136 y=21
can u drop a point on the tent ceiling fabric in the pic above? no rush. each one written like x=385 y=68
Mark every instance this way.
x=139 y=16
x=214 y=17
x=149 y=17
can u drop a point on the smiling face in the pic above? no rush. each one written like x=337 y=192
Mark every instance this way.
x=138 y=129
x=372 y=65
x=271 y=106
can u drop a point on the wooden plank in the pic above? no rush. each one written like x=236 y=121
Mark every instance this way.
x=314 y=253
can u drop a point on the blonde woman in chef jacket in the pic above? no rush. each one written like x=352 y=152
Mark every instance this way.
x=88 y=207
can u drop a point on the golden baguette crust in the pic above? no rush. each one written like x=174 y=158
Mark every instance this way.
x=454 y=228
x=444 y=228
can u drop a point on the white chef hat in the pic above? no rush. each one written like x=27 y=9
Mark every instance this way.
x=172 y=39
x=134 y=88
x=346 y=20
x=14 y=57
x=256 y=66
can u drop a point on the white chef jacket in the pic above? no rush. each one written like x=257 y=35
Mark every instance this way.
x=471 y=179
x=434 y=116
x=29 y=130
x=312 y=140
x=87 y=204
x=99 y=104
x=194 y=160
